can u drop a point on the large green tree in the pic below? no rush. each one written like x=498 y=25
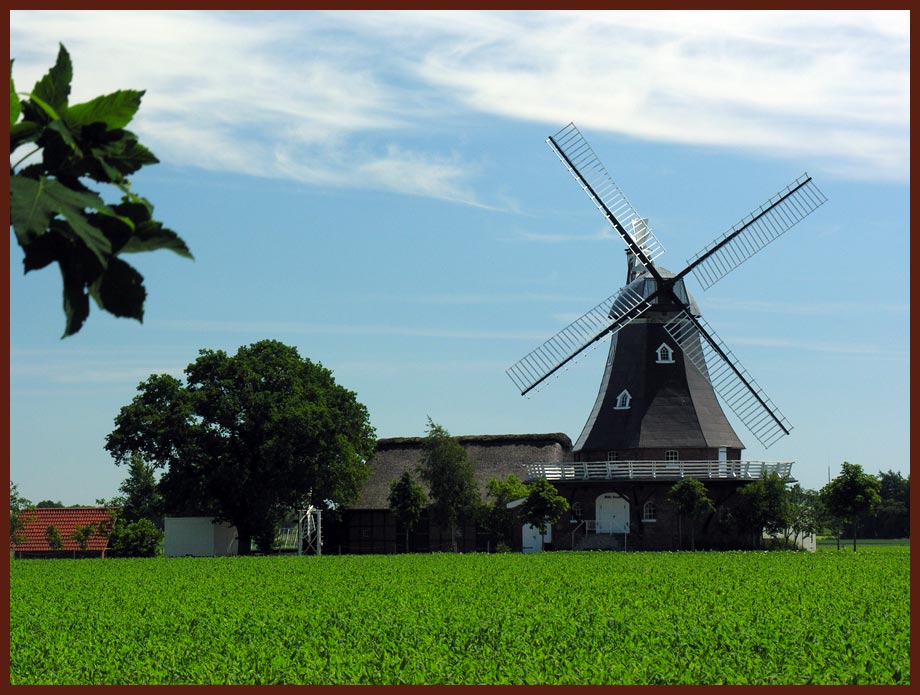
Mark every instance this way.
x=850 y=495
x=449 y=475
x=248 y=437
x=59 y=149
x=407 y=502
x=692 y=500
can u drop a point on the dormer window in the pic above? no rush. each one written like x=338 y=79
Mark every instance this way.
x=664 y=354
x=623 y=400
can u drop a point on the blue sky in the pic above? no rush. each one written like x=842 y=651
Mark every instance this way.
x=375 y=189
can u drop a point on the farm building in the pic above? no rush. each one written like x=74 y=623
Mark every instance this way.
x=614 y=504
x=66 y=520
x=368 y=526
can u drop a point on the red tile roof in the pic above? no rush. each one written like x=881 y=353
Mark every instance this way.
x=66 y=520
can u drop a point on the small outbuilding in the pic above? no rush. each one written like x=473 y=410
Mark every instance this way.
x=199 y=536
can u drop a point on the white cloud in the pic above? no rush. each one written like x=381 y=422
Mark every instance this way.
x=369 y=99
x=292 y=327
x=837 y=348
x=806 y=308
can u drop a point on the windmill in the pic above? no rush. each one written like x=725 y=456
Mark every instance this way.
x=653 y=296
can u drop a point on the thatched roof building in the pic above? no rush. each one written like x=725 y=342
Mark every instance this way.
x=492 y=456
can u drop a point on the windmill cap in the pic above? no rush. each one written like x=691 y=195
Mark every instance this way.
x=646 y=284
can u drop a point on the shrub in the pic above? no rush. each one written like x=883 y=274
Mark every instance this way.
x=140 y=538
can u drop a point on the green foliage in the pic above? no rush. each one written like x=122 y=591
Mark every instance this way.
x=407 y=501
x=497 y=518
x=891 y=517
x=548 y=618
x=691 y=498
x=248 y=437
x=18 y=504
x=49 y=504
x=850 y=495
x=766 y=505
x=543 y=506
x=449 y=475
x=141 y=495
x=53 y=537
x=82 y=534
x=803 y=516
x=140 y=538
x=57 y=218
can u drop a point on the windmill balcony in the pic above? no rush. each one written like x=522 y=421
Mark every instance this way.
x=656 y=470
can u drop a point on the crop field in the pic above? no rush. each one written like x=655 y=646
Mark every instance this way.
x=624 y=618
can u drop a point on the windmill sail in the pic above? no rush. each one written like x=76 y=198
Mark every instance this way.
x=580 y=160
x=606 y=318
x=753 y=232
x=729 y=379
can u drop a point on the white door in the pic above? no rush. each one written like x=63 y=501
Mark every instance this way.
x=612 y=514
x=531 y=538
x=723 y=462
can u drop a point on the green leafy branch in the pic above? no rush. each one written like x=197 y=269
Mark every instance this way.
x=57 y=218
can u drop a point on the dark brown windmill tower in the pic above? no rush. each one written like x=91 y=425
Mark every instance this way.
x=656 y=418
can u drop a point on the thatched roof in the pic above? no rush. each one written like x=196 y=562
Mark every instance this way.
x=492 y=456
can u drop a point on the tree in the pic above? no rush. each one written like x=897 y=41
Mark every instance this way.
x=49 y=504
x=449 y=475
x=141 y=495
x=691 y=498
x=82 y=534
x=803 y=513
x=498 y=519
x=407 y=500
x=849 y=495
x=891 y=518
x=18 y=504
x=57 y=218
x=767 y=505
x=543 y=505
x=140 y=538
x=53 y=537
x=248 y=437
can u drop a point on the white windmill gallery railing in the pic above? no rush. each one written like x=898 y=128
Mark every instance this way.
x=655 y=470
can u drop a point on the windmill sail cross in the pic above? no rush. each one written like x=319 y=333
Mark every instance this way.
x=755 y=231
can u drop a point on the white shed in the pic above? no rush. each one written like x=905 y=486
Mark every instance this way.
x=200 y=536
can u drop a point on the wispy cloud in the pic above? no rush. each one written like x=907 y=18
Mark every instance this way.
x=374 y=99
x=295 y=328
x=806 y=308
x=561 y=238
x=837 y=348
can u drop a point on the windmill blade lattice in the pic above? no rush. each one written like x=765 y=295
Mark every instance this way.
x=575 y=152
x=607 y=317
x=729 y=379
x=753 y=232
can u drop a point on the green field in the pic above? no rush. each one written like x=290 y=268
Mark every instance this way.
x=601 y=617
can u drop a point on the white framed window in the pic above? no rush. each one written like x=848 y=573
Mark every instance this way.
x=623 y=400
x=671 y=455
x=613 y=456
x=649 y=512
x=664 y=354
